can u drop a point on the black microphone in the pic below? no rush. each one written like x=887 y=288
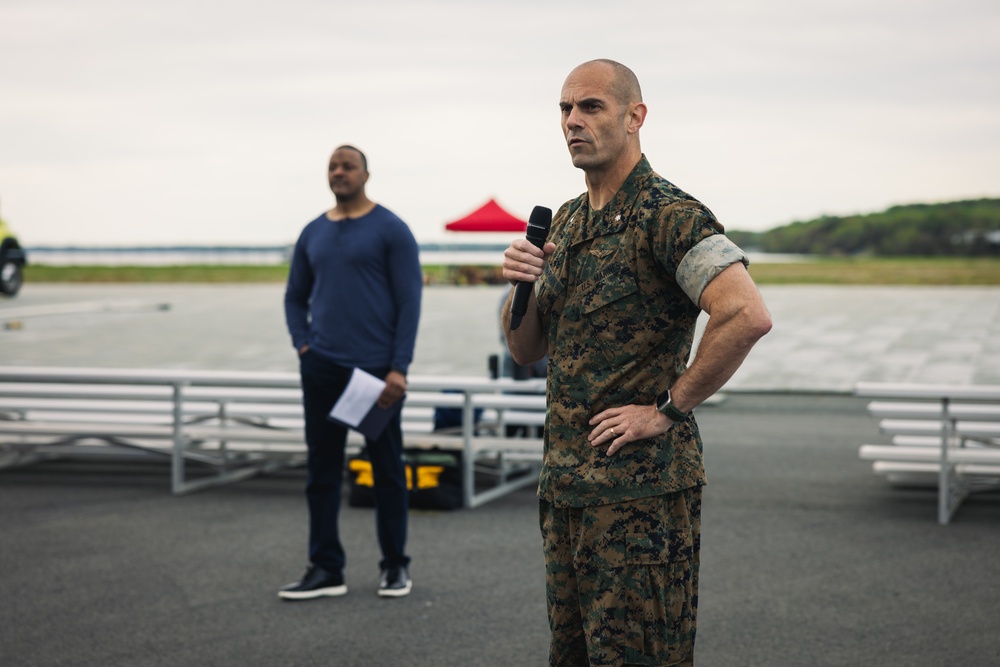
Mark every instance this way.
x=538 y=231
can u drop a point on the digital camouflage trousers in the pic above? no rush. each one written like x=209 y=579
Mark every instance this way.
x=622 y=581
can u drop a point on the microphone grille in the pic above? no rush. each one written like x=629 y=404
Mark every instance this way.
x=540 y=217
x=538 y=225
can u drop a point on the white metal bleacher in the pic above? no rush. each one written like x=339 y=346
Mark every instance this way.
x=948 y=435
x=239 y=424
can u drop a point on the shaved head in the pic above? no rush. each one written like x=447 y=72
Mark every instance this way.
x=602 y=111
x=625 y=85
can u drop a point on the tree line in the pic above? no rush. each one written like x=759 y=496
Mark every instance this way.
x=969 y=228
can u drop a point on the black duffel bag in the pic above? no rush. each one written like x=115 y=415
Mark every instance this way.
x=433 y=477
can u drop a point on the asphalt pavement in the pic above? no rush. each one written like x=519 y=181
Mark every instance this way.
x=807 y=557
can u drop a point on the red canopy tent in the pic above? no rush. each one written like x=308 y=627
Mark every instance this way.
x=488 y=218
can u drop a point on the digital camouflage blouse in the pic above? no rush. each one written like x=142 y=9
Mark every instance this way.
x=618 y=301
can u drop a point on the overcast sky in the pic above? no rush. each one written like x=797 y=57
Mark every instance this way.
x=139 y=122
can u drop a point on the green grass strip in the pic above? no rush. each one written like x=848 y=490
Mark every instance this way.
x=825 y=271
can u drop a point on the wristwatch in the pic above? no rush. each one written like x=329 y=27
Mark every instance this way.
x=664 y=405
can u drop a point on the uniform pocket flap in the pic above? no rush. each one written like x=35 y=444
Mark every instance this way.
x=658 y=548
x=611 y=283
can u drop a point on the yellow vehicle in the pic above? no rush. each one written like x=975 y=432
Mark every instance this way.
x=12 y=261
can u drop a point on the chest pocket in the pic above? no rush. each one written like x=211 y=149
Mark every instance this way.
x=612 y=310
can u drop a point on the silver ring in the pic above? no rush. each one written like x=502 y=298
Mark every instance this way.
x=613 y=434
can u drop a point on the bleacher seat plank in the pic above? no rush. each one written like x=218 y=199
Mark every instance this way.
x=254 y=420
x=948 y=432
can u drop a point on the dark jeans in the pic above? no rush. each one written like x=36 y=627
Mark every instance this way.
x=322 y=384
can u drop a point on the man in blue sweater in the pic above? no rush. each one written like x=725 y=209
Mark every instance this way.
x=353 y=301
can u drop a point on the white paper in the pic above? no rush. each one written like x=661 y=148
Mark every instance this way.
x=358 y=398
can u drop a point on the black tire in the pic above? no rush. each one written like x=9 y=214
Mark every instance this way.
x=11 y=277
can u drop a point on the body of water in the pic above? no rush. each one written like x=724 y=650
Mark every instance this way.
x=430 y=255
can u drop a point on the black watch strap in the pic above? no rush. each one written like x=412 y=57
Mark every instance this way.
x=664 y=405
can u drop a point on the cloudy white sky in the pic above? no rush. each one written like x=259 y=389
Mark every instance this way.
x=135 y=122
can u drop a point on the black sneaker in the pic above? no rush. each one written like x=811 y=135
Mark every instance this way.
x=316 y=583
x=395 y=582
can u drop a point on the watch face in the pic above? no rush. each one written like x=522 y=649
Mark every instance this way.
x=662 y=400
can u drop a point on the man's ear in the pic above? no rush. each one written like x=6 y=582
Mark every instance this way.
x=636 y=117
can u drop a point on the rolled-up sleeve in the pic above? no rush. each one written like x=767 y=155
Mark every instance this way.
x=703 y=262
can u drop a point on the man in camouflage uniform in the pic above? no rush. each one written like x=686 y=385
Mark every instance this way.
x=626 y=270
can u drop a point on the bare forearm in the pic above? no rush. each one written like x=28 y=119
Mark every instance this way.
x=723 y=348
x=524 y=262
x=738 y=318
x=527 y=343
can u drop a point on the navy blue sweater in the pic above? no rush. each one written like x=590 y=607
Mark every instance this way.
x=353 y=292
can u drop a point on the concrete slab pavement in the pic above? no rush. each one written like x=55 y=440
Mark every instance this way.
x=824 y=338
